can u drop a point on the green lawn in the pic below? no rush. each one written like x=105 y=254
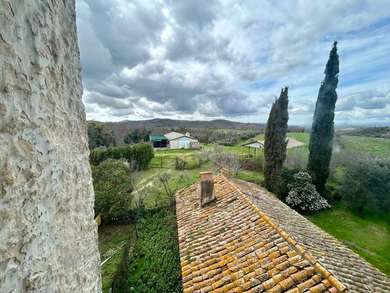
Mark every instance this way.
x=368 y=236
x=112 y=242
x=251 y=176
x=370 y=145
x=300 y=136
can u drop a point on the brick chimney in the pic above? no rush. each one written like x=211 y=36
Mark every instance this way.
x=207 y=194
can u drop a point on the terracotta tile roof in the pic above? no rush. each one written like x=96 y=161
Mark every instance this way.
x=230 y=245
x=347 y=266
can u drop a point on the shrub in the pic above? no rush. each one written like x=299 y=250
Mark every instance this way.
x=180 y=163
x=111 y=181
x=203 y=156
x=287 y=178
x=192 y=163
x=366 y=184
x=139 y=154
x=303 y=195
x=222 y=160
x=154 y=265
x=187 y=163
x=229 y=137
x=252 y=163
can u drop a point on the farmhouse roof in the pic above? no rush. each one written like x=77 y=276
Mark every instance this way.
x=231 y=245
x=292 y=143
x=173 y=135
x=254 y=141
x=176 y=135
x=157 y=137
x=347 y=266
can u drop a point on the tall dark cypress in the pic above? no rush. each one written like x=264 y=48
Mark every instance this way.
x=321 y=138
x=275 y=143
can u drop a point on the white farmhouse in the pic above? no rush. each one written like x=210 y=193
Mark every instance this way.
x=178 y=140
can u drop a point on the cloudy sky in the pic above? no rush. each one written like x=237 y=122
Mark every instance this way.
x=206 y=59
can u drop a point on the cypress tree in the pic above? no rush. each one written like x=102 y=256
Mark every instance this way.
x=275 y=143
x=321 y=138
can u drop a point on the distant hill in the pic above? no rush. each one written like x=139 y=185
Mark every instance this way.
x=161 y=126
x=381 y=132
x=170 y=123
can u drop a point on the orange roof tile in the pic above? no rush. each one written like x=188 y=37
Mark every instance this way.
x=230 y=245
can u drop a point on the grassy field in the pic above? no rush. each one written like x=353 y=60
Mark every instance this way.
x=368 y=236
x=375 y=146
x=369 y=145
x=112 y=241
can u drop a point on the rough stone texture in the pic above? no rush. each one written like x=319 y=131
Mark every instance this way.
x=347 y=266
x=48 y=239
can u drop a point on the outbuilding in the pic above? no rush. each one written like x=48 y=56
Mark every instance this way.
x=158 y=141
x=182 y=141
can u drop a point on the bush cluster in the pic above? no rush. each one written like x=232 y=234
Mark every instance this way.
x=187 y=163
x=139 y=154
x=180 y=163
x=112 y=185
x=366 y=184
x=287 y=178
x=303 y=195
x=252 y=162
x=222 y=160
x=154 y=265
x=229 y=137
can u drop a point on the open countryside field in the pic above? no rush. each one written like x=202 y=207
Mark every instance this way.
x=368 y=236
x=368 y=145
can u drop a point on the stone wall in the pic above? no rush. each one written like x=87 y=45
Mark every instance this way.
x=48 y=239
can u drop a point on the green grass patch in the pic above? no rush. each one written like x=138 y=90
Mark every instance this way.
x=300 y=136
x=375 y=146
x=166 y=158
x=251 y=176
x=112 y=242
x=155 y=262
x=368 y=236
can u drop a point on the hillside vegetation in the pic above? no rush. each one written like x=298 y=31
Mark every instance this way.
x=380 y=132
x=199 y=129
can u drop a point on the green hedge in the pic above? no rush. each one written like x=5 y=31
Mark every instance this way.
x=112 y=185
x=139 y=154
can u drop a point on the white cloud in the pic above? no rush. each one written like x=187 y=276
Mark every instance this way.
x=216 y=59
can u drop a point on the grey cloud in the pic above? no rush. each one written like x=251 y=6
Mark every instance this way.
x=369 y=100
x=200 y=13
x=108 y=102
x=127 y=28
x=155 y=58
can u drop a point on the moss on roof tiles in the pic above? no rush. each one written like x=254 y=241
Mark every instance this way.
x=240 y=249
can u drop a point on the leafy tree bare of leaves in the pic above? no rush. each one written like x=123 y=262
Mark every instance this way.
x=321 y=138
x=164 y=179
x=275 y=143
